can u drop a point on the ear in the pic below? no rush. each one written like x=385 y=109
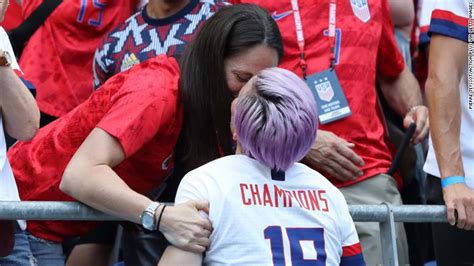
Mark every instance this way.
x=235 y=137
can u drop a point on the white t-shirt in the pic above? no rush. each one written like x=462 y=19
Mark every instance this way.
x=450 y=19
x=425 y=7
x=8 y=189
x=260 y=221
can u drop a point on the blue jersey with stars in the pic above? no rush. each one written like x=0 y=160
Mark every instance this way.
x=142 y=37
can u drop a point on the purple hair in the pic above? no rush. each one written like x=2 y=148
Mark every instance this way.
x=276 y=120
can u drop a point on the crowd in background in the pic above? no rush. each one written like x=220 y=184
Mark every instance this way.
x=115 y=135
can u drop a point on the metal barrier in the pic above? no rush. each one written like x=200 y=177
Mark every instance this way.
x=385 y=214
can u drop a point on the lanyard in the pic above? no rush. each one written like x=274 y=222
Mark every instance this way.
x=300 y=35
x=332 y=31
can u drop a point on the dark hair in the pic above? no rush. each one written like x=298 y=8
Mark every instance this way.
x=204 y=92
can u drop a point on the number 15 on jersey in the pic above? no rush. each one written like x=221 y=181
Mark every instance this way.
x=297 y=237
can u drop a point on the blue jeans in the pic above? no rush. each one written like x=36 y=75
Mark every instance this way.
x=30 y=250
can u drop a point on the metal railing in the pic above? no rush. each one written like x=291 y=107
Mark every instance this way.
x=385 y=214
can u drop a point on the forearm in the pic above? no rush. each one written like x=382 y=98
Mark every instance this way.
x=448 y=58
x=19 y=109
x=176 y=256
x=445 y=113
x=101 y=188
x=402 y=93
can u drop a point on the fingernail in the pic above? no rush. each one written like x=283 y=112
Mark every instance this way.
x=360 y=173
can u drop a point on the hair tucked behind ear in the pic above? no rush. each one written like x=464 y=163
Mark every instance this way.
x=204 y=92
x=277 y=120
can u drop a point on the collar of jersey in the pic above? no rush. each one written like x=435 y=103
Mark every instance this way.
x=168 y=20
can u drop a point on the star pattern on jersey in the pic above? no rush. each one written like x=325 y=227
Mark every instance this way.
x=205 y=11
x=162 y=47
x=122 y=35
x=136 y=40
x=101 y=54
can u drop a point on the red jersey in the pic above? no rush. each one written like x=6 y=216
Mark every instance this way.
x=138 y=107
x=364 y=46
x=58 y=57
x=13 y=16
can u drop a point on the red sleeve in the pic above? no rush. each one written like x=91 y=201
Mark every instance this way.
x=13 y=16
x=145 y=105
x=390 y=61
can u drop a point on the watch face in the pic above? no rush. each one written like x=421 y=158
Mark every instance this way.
x=5 y=59
x=8 y=57
x=148 y=221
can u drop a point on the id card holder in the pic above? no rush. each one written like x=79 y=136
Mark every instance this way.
x=331 y=101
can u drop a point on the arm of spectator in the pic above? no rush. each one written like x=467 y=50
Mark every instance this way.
x=334 y=156
x=404 y=96
x=448 y=58
x=403 y=15
x=18 y=107
x=90 y=178
x=176 y=256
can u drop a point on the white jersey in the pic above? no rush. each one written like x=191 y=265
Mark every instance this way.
x=450 y=19
x=8 y=189
x=425 y=8
x=260 y=221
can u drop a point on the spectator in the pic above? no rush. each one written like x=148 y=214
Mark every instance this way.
x=20 y=115
x=58 y=56
x=119 y=144
x=350 y=149
x=450 y=161
x=161 y=27
x=260 y=192
x=411 y=164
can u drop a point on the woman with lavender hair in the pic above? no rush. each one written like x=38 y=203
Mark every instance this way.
x=265 y=207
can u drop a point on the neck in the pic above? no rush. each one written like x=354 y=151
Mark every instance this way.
x=238 y=149
x=158 y=9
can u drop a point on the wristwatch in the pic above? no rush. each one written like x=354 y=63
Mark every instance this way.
x=147 y=219
x=5 y=58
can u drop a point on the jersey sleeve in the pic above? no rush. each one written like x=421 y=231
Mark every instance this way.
x=424 y=19
x=351 y=248
x=6 y=45
x=449 y=18
x=390 y=62
x=146 y=105
x=100 y=67
x=192 y=187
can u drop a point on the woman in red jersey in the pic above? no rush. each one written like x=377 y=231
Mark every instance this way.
x=120 y=143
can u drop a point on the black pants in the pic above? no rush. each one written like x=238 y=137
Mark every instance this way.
x=452 y=246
